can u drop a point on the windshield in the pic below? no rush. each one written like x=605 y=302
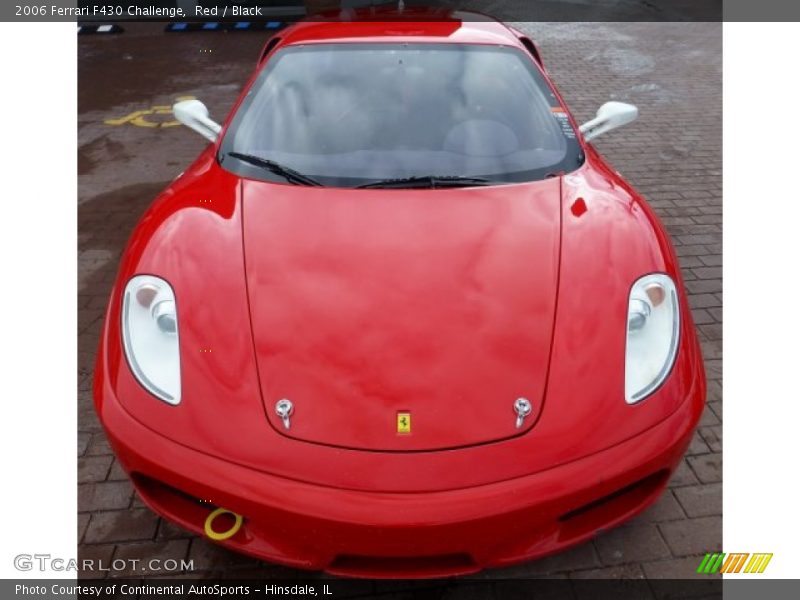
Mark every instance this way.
x=350 y=114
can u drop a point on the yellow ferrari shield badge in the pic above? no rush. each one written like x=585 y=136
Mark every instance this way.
x=404 y=422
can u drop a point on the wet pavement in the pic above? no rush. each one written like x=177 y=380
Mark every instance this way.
x=130 y=147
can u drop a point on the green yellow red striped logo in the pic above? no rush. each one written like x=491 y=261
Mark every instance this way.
x=736 y=562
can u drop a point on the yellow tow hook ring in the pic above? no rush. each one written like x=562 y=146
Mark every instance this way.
x=225 y=534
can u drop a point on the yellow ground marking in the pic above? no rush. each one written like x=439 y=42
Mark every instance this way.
x=139 y=117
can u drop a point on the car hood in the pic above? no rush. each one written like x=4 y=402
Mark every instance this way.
x=371 y=305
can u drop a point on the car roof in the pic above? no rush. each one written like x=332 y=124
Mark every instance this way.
x=410 y=25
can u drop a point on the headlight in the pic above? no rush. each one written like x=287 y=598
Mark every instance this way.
x=150 y=336
x=653 y=324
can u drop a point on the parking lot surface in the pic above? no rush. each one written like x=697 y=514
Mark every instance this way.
x=129 y=148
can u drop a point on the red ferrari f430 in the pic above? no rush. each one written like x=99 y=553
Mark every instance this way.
x=399 y=318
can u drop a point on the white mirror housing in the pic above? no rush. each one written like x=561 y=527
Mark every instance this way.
x=194 y=115
x=609 y=116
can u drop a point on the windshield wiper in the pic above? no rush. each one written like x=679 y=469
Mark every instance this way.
x=428 y=181
x=288 y=173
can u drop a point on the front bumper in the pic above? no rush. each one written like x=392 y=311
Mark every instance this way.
x=372 y=534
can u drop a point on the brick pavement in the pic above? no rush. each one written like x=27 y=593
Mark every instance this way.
x=672 y=154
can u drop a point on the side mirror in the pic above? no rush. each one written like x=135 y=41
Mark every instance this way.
x=609 y=116
x=194 y=115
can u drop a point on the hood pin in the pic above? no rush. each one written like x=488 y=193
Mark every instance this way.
x=284 y=409
x=522 y=407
